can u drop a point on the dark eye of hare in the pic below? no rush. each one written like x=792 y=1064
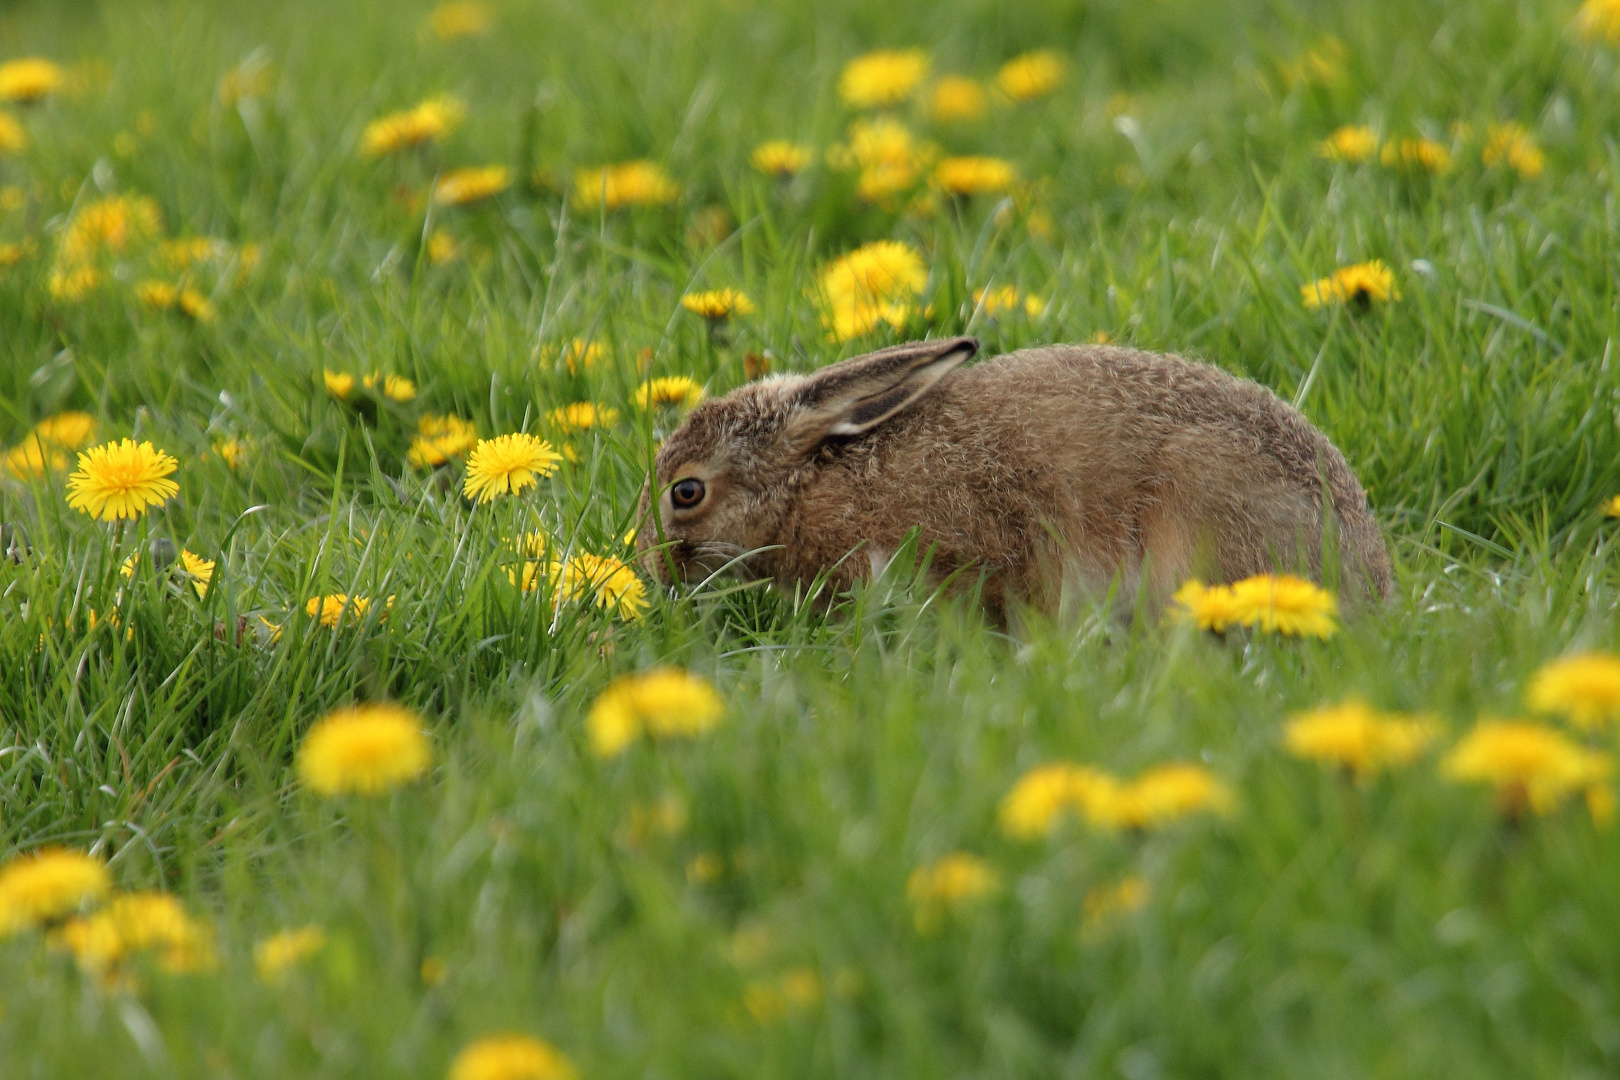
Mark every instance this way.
x=687 y=493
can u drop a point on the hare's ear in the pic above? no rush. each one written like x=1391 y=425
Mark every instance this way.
x=856 y=395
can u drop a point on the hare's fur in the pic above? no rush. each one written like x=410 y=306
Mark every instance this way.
x=1064 y=464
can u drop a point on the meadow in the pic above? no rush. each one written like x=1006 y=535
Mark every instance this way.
x=322 y=256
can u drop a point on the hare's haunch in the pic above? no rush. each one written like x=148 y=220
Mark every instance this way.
x=1066 y=463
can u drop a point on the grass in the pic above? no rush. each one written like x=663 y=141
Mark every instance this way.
x=1396 y=928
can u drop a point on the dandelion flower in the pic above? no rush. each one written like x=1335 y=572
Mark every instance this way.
x=1363 y=283
x=718 y=304
x=1048 y=792
x=111 y=224
x=198 y=570
x=1351 y=143
x=673 y=391
x=161 y=296
x=440 y=438
x=442 y=247
x=578 y=355
x=1208 y=607
x=1285 y=604
x=1007 y=298
x=1599 y=20
x=274 y=955
x=73 y=283
x=952 y=882
x=1161 y=795
x=139 y=922
x=1107 y=902
x=1528 y=764
x=330 y=609
x=780 y=159
x=955 y=99
x=231 y=452
x=511 y=1057
x=252 y=78
x=461 y=18
x=363 y=750
x=1612 y=507
x=429 y=121
x=13 y=139
x=48 y=884
x=1584 y=687
x=121 y=479
x=975 y=176
x=891 y=159
x=339 y=384
x=872 y=285
x=629 y=183
x=1424 y=155
x=1357 y=737
x=582 y=416
x=33 y=458
x=506 y=465
x=462 y=186
x=29 y=79
x=1511 y=145
x=608 y=582
x=1032 y=75
x=880 y=79
x=394 y=387
x=661 y=703
x=68 y=430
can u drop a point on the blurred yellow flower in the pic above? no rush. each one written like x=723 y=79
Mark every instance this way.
x=1107 y=902
x=47 y=884
x=363 y=750
x=1048 y=792
x=881 y=79
x=274 y=955
x=1423 y=154
x=1032 y=75
x=672 y=391
x=1358 y=737
x=33 y=458
x=582 y=416
x=442 y=247
x=718 y=304
x=975 y=176
x=511 y=1057
x=780 y=158
x=329 y=609
x=461 y=18
x=121 y=479
x=1285 y=604
x=29 y=79
x=952 y=882
x=1353 y=144
x=661 y=703
x=230 y=451
x=1362 y=283
x=252 y=78
x=955 y=98
x=70 y=430
x=394 y=387
x=1611 y=508
x=1599 y=20
x=1528 y=764
x=1208 y=607
x=187 y=251
x=134 y=923
x=605 y=581
x=161 y=296
x=578 y=355
x=339 y=384
x=629 y=183
x=194 y=568
x=459 y=187
x=429 y=121
x=1005 y=298
x=1511 y=145
x=73 y=283
x=506 y=465
x=874 y=284
x=13 y=139
x=1159 y=796
x=1320 y=65
x=111 y=224
x=1583 y=687
x=440 y=438
x=890 y=158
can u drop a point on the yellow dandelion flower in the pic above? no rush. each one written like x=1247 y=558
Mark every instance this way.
x=870 y=286
x=1105 y=903
x=429 y=121
x=1511 y=145
x=1599 y=20
x=461 y=18
x=661 y=703
x=511 y=1057
x=1528 y=764
x=198 y=570
x=440 y=438
x=1584 y=687
x=780 y=158
x=576 y=356
x=1032 y=75
x=890 y=158
x=252 y=78
x=629 y=183
x=48 y=884
x=1048 y=792
x=73 y=283
x=880 y=79
x=582 y=416
x=121 y=479
x=1362 y=283
x=1159 y=796
x=956 y=99
x=1424 y=155
x=506 y=465
x=1611 y=508
x=951 y=883
x=13 y=139
x=29 y=79
x=139 y=922
x=460 y=187
x=189 y=251
x=231 y=451
x=673 y=391
x=363 y=750
x=195 y=306
x=70 y=430
x=111 y=224
x=32 y=459
x=975 y=176
x=1285 y=604
x=607 y=582
x=1006 y=298
x=275 y=955
x=330 y=609
x=12 y=254
x=157 y=295
x=1351 y=143
x=442 y=247
x=339 y=384
x=1208 y=607
x=394 y=387
x=718 y=304
x=1357 y=737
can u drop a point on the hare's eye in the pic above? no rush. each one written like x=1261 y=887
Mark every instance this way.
x=686 y=493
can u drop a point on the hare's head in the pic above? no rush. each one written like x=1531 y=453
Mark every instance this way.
x=724 y=481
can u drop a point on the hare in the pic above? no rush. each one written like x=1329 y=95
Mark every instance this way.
x=1064 y=464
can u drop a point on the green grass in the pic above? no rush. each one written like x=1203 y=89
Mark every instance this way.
x=1399 y=928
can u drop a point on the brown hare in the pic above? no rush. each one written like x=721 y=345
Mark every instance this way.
x=1066 y=464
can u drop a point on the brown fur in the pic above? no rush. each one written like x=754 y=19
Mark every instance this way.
x=1057 y=464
